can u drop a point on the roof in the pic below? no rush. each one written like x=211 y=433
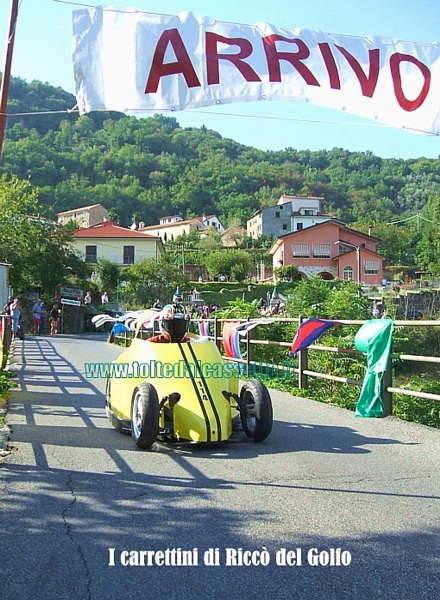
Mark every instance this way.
x=196 y=220
x=108 y=229
x=73 y=210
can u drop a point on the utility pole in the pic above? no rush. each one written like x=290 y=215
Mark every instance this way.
x=4 y=90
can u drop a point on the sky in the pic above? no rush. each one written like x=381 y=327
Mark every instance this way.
x=43 y=52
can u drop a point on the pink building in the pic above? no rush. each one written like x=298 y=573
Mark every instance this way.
x=332 y=251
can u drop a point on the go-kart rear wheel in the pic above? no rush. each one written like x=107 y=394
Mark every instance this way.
x=256 y=414
x=145 y=415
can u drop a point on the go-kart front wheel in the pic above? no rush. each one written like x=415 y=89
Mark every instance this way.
x=256 y=413
x=145 y=415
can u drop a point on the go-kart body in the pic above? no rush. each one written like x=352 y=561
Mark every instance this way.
x=182 y=392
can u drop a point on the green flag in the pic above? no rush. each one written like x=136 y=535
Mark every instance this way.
x=373 y=338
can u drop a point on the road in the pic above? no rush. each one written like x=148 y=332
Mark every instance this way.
x=79 y=502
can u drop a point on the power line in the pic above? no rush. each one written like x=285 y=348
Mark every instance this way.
x=204 y=112
x=417 y=216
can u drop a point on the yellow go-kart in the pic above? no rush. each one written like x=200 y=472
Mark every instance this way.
x=183 y=392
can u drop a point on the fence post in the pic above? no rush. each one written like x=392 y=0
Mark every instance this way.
x=250 y=350
x=302 y=363
x=302 y=366
x=387 y=397
x=217 y=326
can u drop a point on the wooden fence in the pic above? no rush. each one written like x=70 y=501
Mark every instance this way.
x=302 y=371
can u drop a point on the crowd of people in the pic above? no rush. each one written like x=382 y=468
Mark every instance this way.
x=48 y=321
x=40 y=316
x=202 y=311
x=13 y=309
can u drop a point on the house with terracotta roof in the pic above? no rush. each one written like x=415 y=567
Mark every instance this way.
x=117 y=244
x=171 y=227
x=86 y=216
x=330 y=250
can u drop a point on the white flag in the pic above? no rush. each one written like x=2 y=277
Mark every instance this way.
x=132 y=61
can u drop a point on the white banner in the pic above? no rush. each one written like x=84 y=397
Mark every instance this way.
x=130 y=61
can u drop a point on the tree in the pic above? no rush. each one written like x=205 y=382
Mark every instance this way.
x=40 y=252
x=328 y=300
x=287 y=273
x=232 y=263
x=108 y=275
x=149 y=279
x=428 y=249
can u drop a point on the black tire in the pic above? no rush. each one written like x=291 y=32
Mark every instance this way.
x=256 y=414
x=145 y=415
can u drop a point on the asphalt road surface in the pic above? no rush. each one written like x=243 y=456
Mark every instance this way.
x=328 y=507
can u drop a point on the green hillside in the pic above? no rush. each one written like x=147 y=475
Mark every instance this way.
x=142 y=169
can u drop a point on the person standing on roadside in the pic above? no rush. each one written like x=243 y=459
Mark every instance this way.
x=54 y=316
x=15 y=316
x=36 y=316
x=43 y=314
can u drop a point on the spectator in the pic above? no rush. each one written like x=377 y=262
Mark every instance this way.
x=15 y=312
x=36 y=316
x=43 y=313
x=88 y=297
x=54 y=318
x=7 y=306
x=104 y=298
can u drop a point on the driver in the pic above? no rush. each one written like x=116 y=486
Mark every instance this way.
x=173 y=323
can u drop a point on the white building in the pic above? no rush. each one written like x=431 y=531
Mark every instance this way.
x=170 y=228
x=290 y=213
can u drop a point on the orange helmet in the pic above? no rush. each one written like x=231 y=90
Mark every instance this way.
x=174 y=322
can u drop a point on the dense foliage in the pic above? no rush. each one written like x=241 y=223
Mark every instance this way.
x=142 y=169
x=334 y=300
x=148 y=280
x=40 y=254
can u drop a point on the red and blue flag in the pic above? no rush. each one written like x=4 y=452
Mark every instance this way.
x=309 y=331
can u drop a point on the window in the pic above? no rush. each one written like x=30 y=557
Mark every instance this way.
x=300 y=250
x=299 y=226
x=128 y=255
x=348 y=274
x=284 y=226
x=371 y=267
x=321 y=251
x=277 y=213
x=91 y=254
x=309 y=212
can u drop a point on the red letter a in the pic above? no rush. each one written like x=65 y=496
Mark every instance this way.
x=182 y=65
